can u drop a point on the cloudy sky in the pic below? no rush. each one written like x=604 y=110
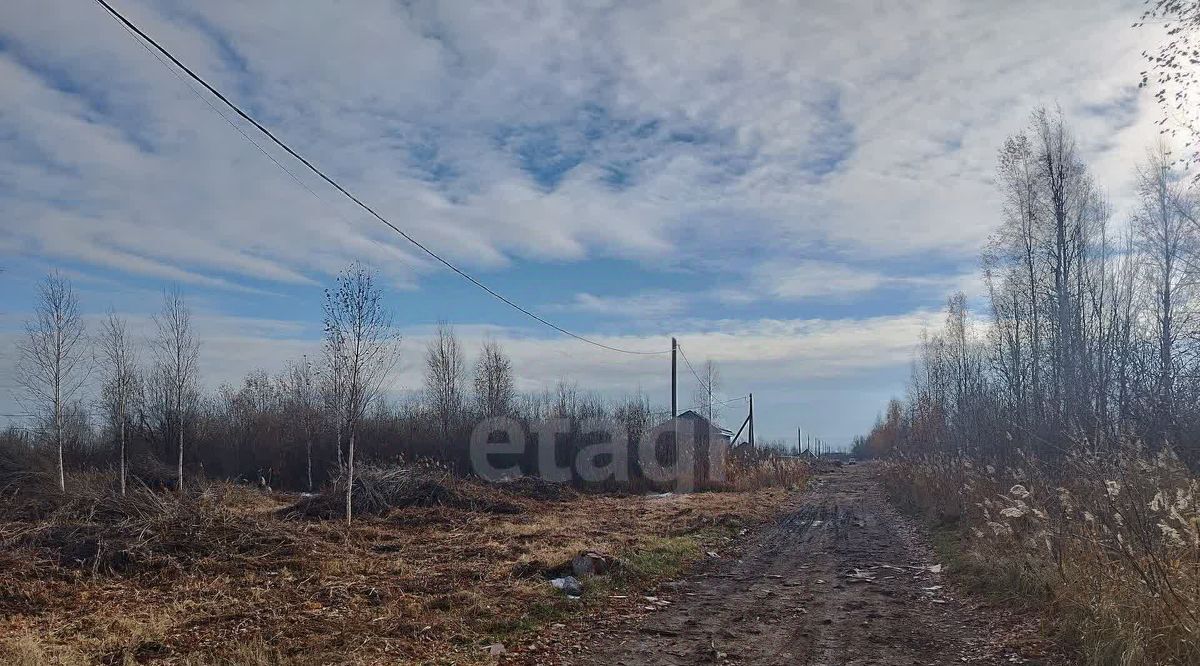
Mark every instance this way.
x=790 y=188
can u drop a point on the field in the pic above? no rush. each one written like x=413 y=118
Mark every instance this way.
x=226 y=576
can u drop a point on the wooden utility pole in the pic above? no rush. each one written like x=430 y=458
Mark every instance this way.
x=799 y=441
x=750 y=434
x=674 y=383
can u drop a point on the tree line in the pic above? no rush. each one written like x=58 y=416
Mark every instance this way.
x=1088 y=336
x=150 y=417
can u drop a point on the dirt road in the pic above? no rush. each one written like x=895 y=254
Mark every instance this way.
x=843 y=578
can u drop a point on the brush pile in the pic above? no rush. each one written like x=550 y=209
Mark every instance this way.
x=93 y=527
x=537 y=488
x=28 y=482
x=380 y=490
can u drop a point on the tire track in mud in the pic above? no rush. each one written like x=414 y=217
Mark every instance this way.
x=843 y=578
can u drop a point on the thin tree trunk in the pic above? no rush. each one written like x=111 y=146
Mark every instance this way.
x=341 y=465
x=58 y=435
x=58 y=415
x=181 y=453
x=350 y=479
x=308 y=451
x=122 y=451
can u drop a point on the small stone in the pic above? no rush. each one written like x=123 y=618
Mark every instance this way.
x=569 y=585
x=589 y=563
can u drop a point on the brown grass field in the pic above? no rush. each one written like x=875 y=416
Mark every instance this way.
x=232 y=582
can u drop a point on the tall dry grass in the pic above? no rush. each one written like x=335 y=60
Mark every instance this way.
x=1110 y=545
x=745 y=474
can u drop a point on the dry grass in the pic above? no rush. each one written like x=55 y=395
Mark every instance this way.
x=1110 y=545
x=219 y=577
x=767 y=472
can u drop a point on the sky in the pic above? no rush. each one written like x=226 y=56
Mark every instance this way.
x=792 y=190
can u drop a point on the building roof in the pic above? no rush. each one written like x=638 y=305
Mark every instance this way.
x=693 y=417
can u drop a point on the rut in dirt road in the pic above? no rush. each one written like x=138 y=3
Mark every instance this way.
x=841 y=579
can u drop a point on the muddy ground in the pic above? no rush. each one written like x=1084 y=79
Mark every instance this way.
x=841 y=578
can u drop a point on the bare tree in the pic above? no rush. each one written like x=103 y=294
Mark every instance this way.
x=333 y=390
x=360 y=339
x=1014 y=269
x=120 y=386
x=494 y=388
x=706 y=391
x=1069 y=200
x=53 y=357
x=303 y=397
x=1166 y=240
x=444 y=378
x=1094 y=338
x=177 y=356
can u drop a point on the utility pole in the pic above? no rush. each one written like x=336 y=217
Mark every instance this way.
x=798 y=441
x=751 y=432
x=674 y=383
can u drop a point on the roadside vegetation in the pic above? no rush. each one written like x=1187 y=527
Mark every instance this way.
x=1056 y=436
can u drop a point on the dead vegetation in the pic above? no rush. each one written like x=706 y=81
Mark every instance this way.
x=765 y=472
x=1109 y=545
x=437 y=568
x=380 y=490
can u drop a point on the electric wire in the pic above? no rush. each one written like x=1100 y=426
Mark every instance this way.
x=336 y=185
x=217 y=110
x=689 y=365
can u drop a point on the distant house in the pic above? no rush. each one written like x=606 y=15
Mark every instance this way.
x=703 y=428
x=711 y=443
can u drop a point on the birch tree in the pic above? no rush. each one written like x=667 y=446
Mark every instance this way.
x=302 y=395
x=444 y=378
x=360 y=339
x=494 y=387
x=1166 y=241
x=120 y=384
x=706 y=390
x=177 y=356
x=53 y=363
x=333 y=389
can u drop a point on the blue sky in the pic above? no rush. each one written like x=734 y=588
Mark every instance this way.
x=793 y=192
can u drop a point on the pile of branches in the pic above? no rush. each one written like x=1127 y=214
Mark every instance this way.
x=380 y=490
x=28 y=481
x=535 y=487
x=144 y=531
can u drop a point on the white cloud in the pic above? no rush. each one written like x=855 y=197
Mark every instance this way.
x=809 y=279
x=760 y=127
x=815 y=279
x=644 y=305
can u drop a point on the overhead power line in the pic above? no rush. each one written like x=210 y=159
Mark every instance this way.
x=703 y=383
x=689 y=365
x=238 y=128
x=312 y=167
